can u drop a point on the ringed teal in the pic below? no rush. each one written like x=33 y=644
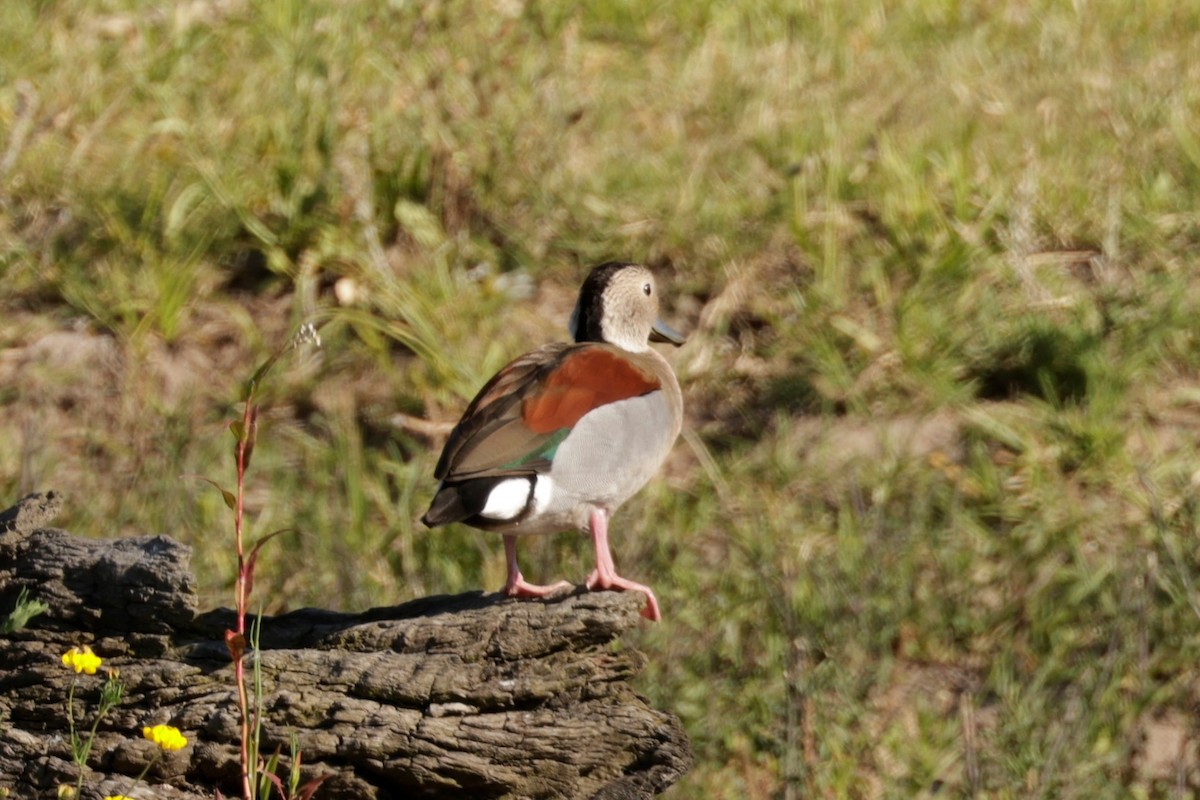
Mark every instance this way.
x=562 y=436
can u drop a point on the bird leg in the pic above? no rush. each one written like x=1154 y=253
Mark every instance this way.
x=516 y=585
x=605 y=576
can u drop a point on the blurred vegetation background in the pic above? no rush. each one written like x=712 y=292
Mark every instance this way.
x=931 y=529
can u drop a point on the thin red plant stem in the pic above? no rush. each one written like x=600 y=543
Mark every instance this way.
x=239 y=669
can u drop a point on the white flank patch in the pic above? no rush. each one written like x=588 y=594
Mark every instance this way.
x=507 y=499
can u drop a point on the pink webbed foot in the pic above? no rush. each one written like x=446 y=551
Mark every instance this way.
x=597 y=580
x=516 y=585
x=605 y=576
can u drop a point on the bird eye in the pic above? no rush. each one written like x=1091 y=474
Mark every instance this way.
x=646 y=289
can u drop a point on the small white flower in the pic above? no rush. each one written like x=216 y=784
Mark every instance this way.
x=307 y=334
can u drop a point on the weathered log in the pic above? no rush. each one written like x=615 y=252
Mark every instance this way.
x=473 y=695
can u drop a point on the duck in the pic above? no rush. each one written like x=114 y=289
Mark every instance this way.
x=564 y=435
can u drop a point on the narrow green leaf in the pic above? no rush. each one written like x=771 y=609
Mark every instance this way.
x=229 y=497
x=252 y=558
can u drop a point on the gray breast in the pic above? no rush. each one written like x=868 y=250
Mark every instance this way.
x=612 y=452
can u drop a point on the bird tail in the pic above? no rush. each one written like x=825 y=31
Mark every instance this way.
x=465 y=500
x=447 y=507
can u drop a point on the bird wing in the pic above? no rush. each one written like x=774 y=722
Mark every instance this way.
x=518 y=419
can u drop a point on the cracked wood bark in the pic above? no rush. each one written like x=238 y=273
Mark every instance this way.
x=471 y=696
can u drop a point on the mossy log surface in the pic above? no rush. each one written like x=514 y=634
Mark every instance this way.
x=467 y=696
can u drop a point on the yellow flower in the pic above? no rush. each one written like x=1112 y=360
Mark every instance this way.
x=116 y=797
x=166 y=737
x=82 y=659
